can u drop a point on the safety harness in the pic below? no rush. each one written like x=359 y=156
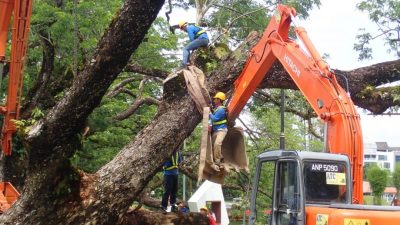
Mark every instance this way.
x=219 y=122
x=174 y=161
x=198 y=33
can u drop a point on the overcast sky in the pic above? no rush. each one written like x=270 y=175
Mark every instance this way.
x=333 y=28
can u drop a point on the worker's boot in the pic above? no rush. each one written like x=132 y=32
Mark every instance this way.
x=163 y=209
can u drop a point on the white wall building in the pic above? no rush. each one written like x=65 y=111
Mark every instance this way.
x=381 y=154
x=212 y=193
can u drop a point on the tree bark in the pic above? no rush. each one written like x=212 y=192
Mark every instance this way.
x=51 y=194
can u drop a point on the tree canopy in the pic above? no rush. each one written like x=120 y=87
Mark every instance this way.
x=378 y=179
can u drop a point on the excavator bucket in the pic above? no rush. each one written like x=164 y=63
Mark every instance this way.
x=8 y=195
x=233 y=151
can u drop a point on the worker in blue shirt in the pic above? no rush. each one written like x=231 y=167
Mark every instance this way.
x=198 y=38
x=219 y=127
x=170 y=168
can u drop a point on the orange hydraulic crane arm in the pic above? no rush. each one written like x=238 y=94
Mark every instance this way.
x=314 y=79
x=22 y=10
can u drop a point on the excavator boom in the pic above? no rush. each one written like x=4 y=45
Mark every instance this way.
x=318 y=84
x=21 y=11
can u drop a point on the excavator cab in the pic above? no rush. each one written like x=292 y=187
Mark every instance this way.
x=287 y=180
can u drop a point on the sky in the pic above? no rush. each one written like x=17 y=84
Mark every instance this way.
x=332 y=28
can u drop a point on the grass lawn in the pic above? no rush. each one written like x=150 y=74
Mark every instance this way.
x=368 y=200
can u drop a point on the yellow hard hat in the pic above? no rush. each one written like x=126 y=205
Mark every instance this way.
x=204 y=208
x=220 y=95
x=182 y=23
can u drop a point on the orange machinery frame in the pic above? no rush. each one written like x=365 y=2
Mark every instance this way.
x=21 y=11
x=314 y=79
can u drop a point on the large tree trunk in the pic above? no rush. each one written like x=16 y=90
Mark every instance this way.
x=362 y=83
x=51 y=191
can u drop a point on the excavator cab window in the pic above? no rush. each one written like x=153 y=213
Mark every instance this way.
x=264 y=193
x=324 y=182
x=287 y=197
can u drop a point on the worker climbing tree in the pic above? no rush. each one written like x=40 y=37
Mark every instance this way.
x=198 y=38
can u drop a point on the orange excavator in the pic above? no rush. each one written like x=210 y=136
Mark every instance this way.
x=293 y=187
x=21 y=11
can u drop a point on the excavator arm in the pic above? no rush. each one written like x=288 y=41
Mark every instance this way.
x=315 y=80
x=21 y=11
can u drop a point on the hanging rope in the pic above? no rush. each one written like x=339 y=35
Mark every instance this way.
x=171 y=28
x=169 y=11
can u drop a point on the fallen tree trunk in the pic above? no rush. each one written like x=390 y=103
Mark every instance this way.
x=141 y=217
x=362 y=83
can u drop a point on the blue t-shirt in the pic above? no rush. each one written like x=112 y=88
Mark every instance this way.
x=218 y=115
x=192 y=31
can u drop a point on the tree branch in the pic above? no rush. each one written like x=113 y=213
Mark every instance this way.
x=138 y=102
x=250 y=132
x=358 y=80
x=233 y=21
x=40 y=89
x=238 y=12
x=118 y=88
x=261 y=94
x=312 y=131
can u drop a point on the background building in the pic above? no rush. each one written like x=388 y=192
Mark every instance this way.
x=381 y=154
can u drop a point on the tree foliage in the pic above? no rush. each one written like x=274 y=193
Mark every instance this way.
x=386 y=15
x=378 y=179
x=396 y=178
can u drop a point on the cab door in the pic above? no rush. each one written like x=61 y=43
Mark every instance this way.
x=288 y=198
x=262 y=194
x=277 y=197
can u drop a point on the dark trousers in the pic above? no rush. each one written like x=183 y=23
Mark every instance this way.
x=170 y=189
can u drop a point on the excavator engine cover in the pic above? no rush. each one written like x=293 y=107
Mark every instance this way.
x=233 y=151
